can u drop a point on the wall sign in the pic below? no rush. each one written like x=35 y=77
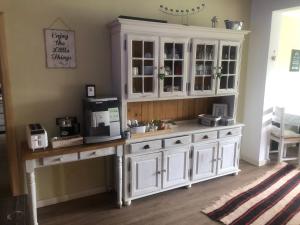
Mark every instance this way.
x=295 y=61
x=60 y=48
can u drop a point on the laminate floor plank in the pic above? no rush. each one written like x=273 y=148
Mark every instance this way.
x=177 y=207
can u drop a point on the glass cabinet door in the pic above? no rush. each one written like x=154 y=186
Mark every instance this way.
x=173 y=67
x=204 y=62
x=142 y=66
x=228 y=67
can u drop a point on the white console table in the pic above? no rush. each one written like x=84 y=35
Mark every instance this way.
x=49 y=157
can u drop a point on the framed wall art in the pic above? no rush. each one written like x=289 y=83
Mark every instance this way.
x=60 y=48
x=220 y=110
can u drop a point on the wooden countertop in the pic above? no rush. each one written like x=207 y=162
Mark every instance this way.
x=185 y=127
x=28 y=154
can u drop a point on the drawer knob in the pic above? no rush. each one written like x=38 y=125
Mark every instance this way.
x=146 y=147
x=229 y=133
x=205 y=137
x=178 y=142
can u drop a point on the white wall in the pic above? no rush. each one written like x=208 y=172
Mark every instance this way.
x=259 y=64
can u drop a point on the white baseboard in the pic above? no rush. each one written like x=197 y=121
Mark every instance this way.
x=254 y=162
x=64 y=198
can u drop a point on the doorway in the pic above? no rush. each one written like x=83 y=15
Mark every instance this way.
x=4 y=172
x=283 y=78
x=9 y=163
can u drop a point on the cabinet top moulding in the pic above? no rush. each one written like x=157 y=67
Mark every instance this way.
x=136 y=26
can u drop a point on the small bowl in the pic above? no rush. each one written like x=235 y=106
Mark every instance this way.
x=233 y=25
x=138 y=130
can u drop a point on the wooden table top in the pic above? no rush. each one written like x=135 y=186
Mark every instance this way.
x=28 y=154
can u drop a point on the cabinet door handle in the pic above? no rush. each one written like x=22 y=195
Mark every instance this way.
x=178 y=142
x=205 y=137
x=158 y=172
x=229 y=133
x=164 y=170
x=146 y=147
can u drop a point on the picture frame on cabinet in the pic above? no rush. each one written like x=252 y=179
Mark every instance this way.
x=220 y=110
x=90 y=90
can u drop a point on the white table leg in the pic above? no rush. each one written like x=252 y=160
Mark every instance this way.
x=119 y=177
x=299 y=154
x=32 y=197
x=108 y=174
x=31 y=186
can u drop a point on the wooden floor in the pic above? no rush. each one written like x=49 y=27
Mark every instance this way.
x=178 y=207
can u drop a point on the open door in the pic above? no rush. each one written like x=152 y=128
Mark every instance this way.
x=10 y=134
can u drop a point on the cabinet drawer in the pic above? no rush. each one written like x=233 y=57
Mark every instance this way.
x=52 y=160
x=183 y=140
x=205 y=136
x=145 y=146
x=230 y=132
x=96 y=153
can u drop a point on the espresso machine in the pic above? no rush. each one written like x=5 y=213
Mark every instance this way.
x=101 y=119
x=68 y=126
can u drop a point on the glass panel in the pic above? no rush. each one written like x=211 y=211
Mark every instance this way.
x=177 y=84
x=207 y=83
x=168 y=51
x=178 y=51
x=225 y=52
x=148 y=67
x=198 y=83
x=208 y=68
x=209 y=53
x=168 y=67
x=223 y=82
x=233 y=51
x=224 y=67
x=178 y=68
x=148 y=49
x=148 y=84
x=231 y=80
x=137 y=66
x=232 y=67
x=137 y=49
x=200 y=52
x=199 y=68
x=137 y=85
x=168 y=84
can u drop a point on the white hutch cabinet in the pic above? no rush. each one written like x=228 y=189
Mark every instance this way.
x=159 y=61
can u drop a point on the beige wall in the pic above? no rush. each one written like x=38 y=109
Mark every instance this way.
x=41 y=95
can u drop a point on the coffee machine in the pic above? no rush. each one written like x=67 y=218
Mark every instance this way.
x=101 y=119
x=68 y=126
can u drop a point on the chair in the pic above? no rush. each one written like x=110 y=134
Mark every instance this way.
x=282 y=136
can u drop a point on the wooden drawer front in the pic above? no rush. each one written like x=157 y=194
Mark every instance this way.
x=95 y=153
x=183 y=140
x=205 y=136
x=52 y=160
x=230 y=132
x=145 y=146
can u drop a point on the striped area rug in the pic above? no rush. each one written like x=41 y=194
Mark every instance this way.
x=273 y=199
